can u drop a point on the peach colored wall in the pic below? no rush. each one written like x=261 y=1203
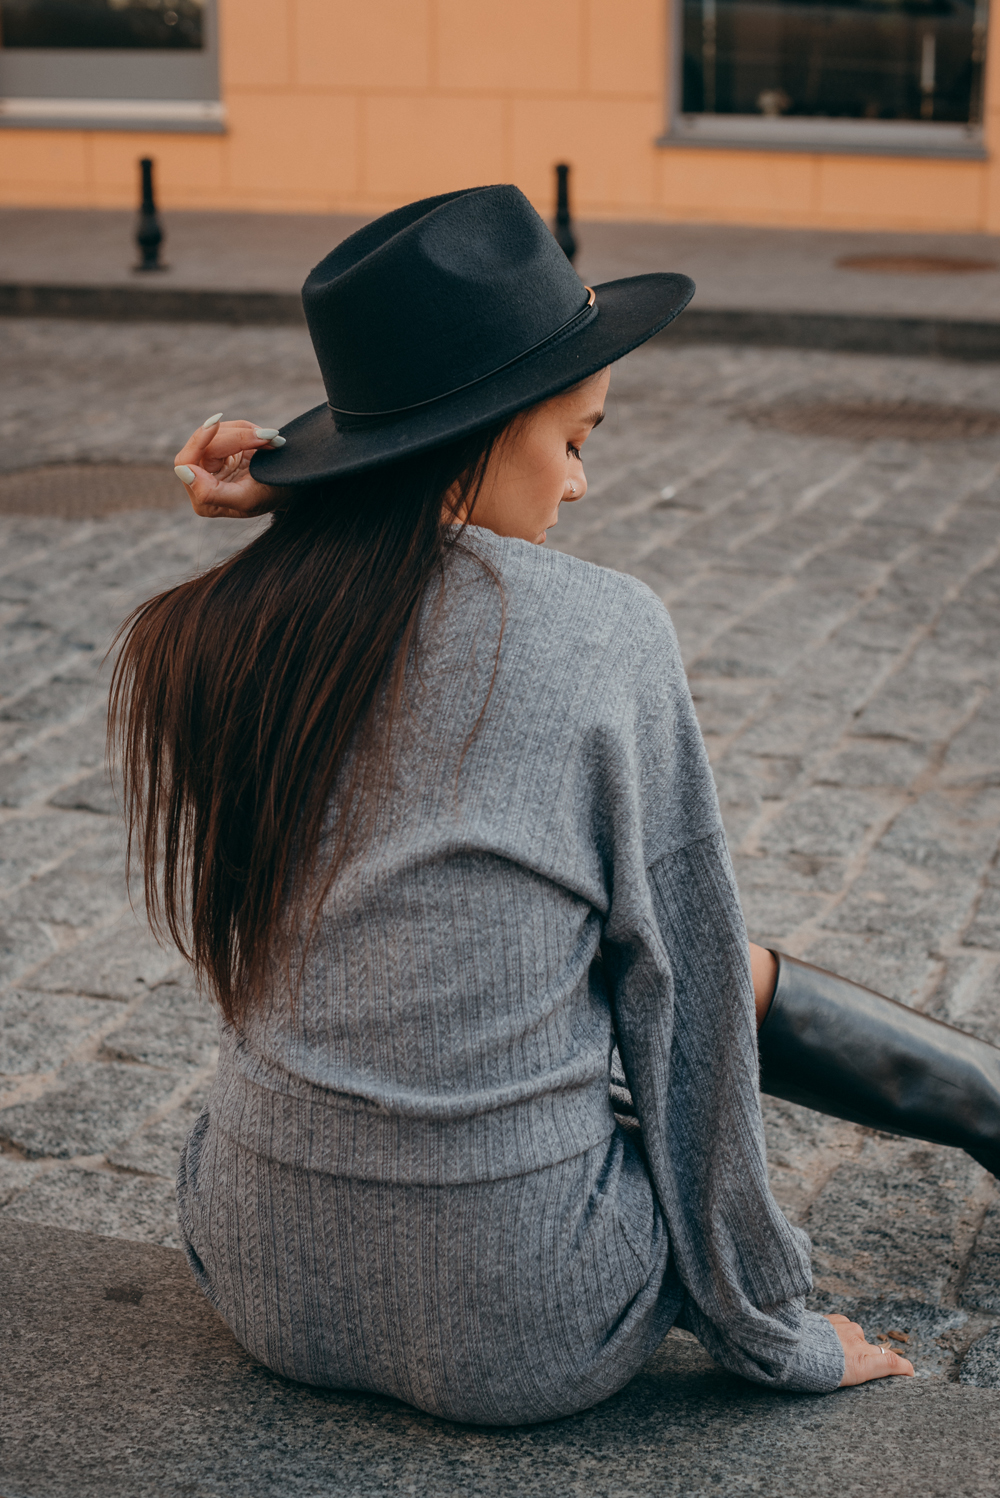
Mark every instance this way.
x=338 y=105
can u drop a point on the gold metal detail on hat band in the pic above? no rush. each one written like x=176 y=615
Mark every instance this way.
x=401 y=410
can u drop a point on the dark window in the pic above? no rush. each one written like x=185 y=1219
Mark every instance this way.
x=140 y=25
x=854 y=59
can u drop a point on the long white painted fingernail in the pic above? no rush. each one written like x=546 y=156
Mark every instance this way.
x=278 y=441
x=210 y=421
x=185 y=474
x=265 y=431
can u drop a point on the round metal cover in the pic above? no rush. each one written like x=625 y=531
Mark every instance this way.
x=82 y=491
x=866 y=421
x=917 y=265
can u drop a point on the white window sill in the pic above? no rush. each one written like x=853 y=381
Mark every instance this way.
x=751 y=132
x=204 y=115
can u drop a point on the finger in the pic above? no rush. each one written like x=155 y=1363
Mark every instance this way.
x=201 y=487
x=879 y=1364
x=221 y=440
x=863 y=1364
x=229 y=437
x=200 y=439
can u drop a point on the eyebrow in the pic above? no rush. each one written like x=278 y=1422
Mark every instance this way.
x=594 y=419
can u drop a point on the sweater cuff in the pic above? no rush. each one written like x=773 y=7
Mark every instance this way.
x=810 y=1362
x=817 y=1366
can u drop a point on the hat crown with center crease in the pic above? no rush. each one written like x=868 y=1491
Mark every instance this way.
x=435 y=296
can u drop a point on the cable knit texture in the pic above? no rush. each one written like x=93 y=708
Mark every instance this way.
x=411 y=1179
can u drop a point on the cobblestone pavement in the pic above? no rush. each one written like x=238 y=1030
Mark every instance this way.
x=838 y=606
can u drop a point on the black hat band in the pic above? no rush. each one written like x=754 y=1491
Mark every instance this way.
x=550 y=338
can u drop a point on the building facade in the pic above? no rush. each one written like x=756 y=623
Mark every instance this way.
x=873 y=114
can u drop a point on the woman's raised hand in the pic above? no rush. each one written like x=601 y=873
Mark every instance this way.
x=214 y=467
x=862 y=1361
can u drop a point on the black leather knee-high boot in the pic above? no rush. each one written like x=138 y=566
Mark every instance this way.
x=842 y=1049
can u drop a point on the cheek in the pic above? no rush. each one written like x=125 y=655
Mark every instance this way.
x=548 y=465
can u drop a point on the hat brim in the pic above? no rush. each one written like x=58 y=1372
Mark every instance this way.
x=629 y=312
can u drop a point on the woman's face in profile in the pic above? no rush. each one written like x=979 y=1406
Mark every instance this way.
x=538 y=466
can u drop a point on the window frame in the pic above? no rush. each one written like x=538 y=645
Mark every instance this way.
x=120 y=88
x=752 y=132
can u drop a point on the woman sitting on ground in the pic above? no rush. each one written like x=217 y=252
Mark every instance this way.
x=428 y=806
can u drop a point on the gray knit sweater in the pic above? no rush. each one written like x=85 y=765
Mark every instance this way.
x=534 y=889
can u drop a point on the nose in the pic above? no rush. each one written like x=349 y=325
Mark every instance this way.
x=575 y=489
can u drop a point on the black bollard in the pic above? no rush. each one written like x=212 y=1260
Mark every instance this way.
x=149 y=235
x=564 y=226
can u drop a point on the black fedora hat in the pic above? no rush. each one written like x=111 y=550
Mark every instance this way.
x=445 y=316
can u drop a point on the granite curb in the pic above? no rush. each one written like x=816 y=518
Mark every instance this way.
x=121 y=1379
x=928 y=337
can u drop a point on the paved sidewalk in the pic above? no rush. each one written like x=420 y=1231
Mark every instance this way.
x=759 y=286
x=838 y=605
x=776 y=270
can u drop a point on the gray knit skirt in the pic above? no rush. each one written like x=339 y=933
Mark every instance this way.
x=499 y=1302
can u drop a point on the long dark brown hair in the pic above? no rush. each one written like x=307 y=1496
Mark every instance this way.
x=236 y=696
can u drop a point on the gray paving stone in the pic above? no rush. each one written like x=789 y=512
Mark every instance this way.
x=798 y=873
x=58 y=699
x=45 y=765
x=172 y=1027
x=70 y=896
x=29 y=843
x=773 y=915
x=117 y=1204
x=93 y=793
x=16 y=1175
x=981 y=1287
x=113 y=962
x=890 y=1220
x=985 y=928
x=873 y=762
x=889 y=964
x=803 y=1150
x=918 y=707
x=824 y=822
x=155 y=1148
x=723 y=704
x=23 y=943
x=894 y=896
x=969 y=994
x=925 y=872
x=799 y=720
x=981 y=1366
x=90 y=1108
x=41 y=1030
x=949 y=829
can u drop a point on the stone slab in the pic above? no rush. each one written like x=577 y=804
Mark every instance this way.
x=121 y=1380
